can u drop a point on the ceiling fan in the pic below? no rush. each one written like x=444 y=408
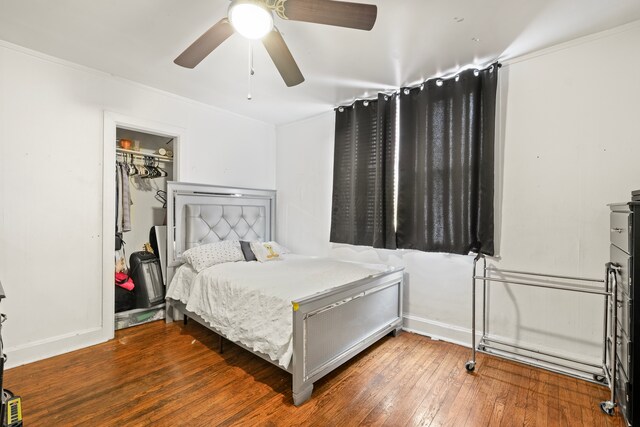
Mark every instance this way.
x=253 y=19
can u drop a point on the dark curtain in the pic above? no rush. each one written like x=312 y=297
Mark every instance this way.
x=446 y=149
x=364 y=173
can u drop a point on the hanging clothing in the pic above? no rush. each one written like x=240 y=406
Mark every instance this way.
x=126 y=198
x=123 y=199
x=118 y=198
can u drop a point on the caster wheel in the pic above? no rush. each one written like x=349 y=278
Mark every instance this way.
x=481 y=347
x=607 y=407
x=470 y=366
x=599 y=378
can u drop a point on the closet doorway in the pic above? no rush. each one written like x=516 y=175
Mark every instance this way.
x=140 y=157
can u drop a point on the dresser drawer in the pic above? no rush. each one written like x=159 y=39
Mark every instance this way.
x=623 y=348
x=624 y=313
x=623 y=392
x=618 y=256
x=619 y=231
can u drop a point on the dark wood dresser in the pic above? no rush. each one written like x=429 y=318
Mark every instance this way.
x=624 y=252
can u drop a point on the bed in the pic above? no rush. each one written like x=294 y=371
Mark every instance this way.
x=329 y=310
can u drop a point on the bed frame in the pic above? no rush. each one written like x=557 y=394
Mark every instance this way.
x=330 y=327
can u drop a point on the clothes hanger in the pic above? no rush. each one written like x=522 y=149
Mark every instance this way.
x=152 y=169
x=161 y=196
x=162 y=172
x=131 y=166
x=144 y=172
x=159 y=171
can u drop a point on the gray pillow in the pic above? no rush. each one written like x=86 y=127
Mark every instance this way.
x=246 y=250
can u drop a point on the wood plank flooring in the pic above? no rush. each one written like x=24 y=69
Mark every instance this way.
x=173 y=375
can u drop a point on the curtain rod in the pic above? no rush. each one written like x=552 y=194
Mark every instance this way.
x=366 y=100
x=415 y=85
x=453 y=75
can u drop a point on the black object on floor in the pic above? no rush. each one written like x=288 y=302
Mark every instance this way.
x=125 y=300
x=144 y=269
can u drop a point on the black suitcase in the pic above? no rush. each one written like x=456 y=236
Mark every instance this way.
x=144 y=269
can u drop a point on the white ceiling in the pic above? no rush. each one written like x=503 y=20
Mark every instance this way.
x=412 y=40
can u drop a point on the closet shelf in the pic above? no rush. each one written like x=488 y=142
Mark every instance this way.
x=142 y=155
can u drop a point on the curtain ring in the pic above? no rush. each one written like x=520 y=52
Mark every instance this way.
x=406 y=91
x=365 y=103
x=439 y=82
x=341 y=109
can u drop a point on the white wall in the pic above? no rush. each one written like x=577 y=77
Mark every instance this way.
x=569 y=144
x=304 y=154
x=51 y=152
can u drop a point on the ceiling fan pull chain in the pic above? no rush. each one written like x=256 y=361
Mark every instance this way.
x=277 y=6
x=251 y=71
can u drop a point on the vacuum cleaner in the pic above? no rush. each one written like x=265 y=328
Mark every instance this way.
x=11 y=408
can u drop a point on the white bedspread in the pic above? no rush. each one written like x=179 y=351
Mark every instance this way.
x=250 y=302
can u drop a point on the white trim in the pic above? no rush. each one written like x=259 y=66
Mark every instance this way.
x=112 y=121
x=84 y=68
x=506 y=61
x=462 y=336
x=52 y=346
x=307 y=119
x=437 y=330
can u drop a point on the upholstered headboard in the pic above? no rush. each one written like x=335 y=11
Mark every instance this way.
x=207 y=223
x=199 y=214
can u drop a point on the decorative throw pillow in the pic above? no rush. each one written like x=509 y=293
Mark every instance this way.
x=203 y=256
x=266 y=251
x=246 y=250
x=279 y=248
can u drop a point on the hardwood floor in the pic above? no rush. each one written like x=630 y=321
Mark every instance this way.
x=173 y=375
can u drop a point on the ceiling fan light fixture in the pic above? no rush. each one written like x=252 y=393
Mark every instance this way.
x=250 y=18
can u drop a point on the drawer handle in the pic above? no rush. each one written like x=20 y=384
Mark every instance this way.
x=617 y=230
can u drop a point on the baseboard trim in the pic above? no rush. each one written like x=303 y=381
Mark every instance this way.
x=462 y=336
x=54 y=346
x=437 y=330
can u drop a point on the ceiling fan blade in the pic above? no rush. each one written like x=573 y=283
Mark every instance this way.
x=282 y=58
x=338 y=13
x=205 y=44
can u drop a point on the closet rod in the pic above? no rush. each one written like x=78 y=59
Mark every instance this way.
x=139 y=155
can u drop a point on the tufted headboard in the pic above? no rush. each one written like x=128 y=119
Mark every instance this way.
x=199 y=214
x=215 y=222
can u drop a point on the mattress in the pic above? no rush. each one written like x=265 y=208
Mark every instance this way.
x=250 y=302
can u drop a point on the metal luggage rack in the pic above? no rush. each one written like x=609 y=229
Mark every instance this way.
x=597 y=373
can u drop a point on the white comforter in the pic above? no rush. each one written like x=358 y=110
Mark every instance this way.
x=250 y=302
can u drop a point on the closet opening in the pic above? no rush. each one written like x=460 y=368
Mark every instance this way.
x=140 y=158
x=144 y=165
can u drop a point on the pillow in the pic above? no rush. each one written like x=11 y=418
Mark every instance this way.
x=268 y=251
x=210 y=254
x=279 y=248
x=246 y=250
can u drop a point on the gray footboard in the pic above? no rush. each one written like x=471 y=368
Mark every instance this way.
x=332 y=327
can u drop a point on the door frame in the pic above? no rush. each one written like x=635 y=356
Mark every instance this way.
x=112 y=121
